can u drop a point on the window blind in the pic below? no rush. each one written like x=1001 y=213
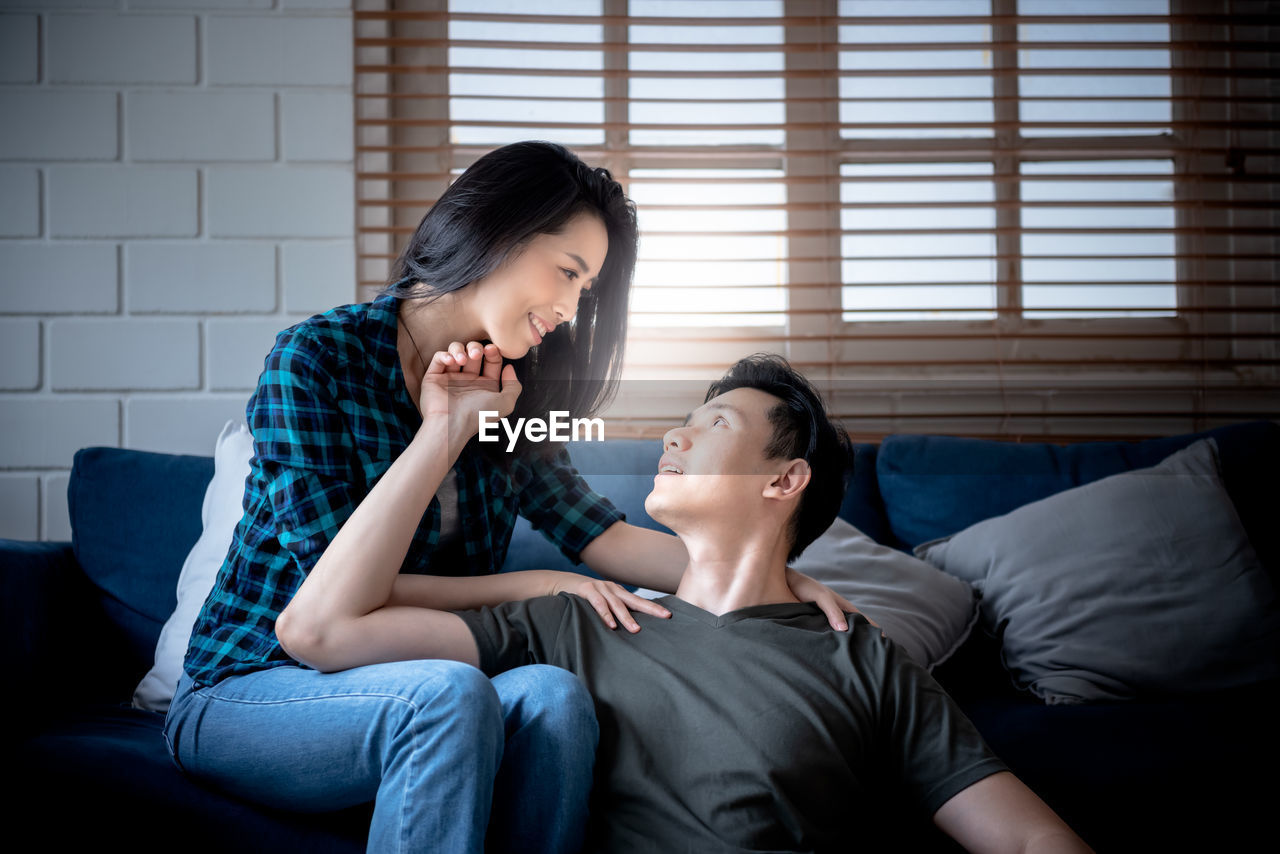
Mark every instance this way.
x=1020 y=219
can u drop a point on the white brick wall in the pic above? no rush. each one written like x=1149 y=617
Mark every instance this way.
x=176 y=186
x=177 y=125
x=18 y=49
x=57 y=124
x=114 y=48
x=62 y=277
x=19 y=339
x=19 y=506
x=186 y=277
x=20 y=213
x=122 y=201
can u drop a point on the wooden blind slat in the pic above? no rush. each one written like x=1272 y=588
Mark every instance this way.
x=769 y=47
x=364 y=11
x=804 y=74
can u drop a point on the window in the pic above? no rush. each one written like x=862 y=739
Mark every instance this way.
x=999 y=218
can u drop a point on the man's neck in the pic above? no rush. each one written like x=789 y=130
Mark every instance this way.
x=723 y=577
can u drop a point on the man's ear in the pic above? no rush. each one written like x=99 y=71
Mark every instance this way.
x=790 y=482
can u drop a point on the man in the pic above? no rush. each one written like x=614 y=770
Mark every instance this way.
x=743 y=721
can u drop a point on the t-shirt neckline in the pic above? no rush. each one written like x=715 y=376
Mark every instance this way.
x=773 y=610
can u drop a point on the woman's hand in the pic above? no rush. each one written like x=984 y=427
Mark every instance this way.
x=462 y=381
x=613 y=602
x=832 y=604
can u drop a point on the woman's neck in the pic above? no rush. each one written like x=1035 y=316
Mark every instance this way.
x=425 y=328
x=435 y=324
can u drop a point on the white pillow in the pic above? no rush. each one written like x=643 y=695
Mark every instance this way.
x=220 y=513
x=922 y=609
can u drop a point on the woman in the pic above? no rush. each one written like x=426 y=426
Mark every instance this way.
x=364 y=464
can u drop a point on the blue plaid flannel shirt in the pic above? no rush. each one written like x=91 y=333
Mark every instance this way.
x=329 y=416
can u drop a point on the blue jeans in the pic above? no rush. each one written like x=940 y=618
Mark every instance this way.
x=435 y=744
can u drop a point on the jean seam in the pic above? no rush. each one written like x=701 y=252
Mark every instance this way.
x=286 y=701
x=404 y=790
x=173 y=754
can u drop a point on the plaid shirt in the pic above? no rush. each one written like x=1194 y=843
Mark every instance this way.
x=330 y=415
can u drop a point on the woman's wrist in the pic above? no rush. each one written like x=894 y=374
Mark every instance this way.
x=435 y=433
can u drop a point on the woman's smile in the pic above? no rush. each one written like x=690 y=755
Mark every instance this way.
x=540 y=329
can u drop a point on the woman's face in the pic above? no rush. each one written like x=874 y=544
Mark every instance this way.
x=537 y=290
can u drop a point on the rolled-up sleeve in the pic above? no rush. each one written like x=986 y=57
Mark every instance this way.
x=303 y=452
x=559 y=503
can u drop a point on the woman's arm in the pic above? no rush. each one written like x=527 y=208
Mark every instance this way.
x=632 y=555
x=612 y=602
x=354 y=576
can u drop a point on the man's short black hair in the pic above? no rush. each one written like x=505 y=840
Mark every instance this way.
x=801 y=428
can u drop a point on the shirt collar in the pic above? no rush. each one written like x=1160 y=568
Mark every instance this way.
x=383 y=316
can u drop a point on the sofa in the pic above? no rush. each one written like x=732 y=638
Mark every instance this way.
x=1178 y=767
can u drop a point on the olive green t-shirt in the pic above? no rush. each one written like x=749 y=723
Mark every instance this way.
x=762 y=729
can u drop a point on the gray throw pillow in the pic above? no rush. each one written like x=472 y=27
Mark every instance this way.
x=1141 y=583
x=926 y=612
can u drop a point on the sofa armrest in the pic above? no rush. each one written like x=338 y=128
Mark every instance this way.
x=51 y=622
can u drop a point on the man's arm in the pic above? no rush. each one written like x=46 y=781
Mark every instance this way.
x=1001 y=814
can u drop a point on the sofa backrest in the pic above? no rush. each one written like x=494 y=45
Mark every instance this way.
x=933 y=486
x=134 y=517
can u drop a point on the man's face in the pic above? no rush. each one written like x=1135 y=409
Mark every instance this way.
x=719 y=456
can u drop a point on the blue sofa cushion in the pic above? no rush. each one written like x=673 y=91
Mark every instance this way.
x=934 y=486
x=863 y=507
x=108 y=764
x=134 y=517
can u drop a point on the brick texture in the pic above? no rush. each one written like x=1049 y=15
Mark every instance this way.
x=298 y=201
x=180 y=425
x=19 y=355
x=279 y=51
x=177 y=125
x=124 y=354
x=20 y=213
x=60 y=277
x=122 y=49
x=19 y=506
x=122 y=201
x=58 y=125
x=19 y=49
x=46 y=432
x=220 y=276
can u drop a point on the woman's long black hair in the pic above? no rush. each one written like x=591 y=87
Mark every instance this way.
x=494 y=208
